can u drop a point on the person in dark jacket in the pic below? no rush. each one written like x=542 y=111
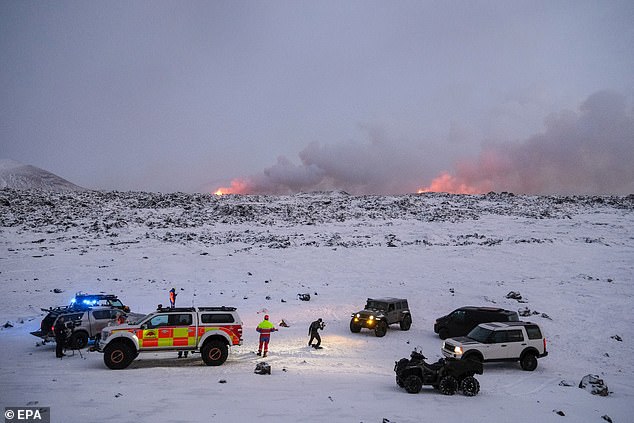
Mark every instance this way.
x=313 y=332
x=60 y=337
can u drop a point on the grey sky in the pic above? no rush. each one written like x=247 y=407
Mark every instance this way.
x=361 y=95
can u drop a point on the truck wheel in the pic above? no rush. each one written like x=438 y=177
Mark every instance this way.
x=448 y=385
x=381 y=329
x=528 y=362
x=406 y=323
x=470 y=386
x=214 y=353
x=413 y=384
x=354 y=328
x=78 y=340
x=117 y=356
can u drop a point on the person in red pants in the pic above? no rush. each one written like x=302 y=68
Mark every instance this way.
x=265 y=328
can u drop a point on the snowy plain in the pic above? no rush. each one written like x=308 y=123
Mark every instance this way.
x=571 y=259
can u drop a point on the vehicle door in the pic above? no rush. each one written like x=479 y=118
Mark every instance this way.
x=459 y=323
x=148 y=334
x=183 y=330
x=497 y=345
x=515 y=343
x=507 y=344
x=392 y=313
x=99 y=319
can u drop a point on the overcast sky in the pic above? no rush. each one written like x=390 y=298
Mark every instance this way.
x=282 y=96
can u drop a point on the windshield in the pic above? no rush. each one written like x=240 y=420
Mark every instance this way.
x=375 y=305
x=480 y=334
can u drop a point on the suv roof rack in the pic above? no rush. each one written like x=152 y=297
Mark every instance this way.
x=221 y=308
x=175 y=309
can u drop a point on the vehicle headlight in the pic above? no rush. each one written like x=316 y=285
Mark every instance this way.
x=371 y=317
x=358 y=315
x=457 y=350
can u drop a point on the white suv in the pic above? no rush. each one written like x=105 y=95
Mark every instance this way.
x=510 y=341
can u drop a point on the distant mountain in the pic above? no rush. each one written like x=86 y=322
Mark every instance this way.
x=20 y=176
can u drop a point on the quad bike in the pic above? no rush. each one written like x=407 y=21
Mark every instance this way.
x=447 y=375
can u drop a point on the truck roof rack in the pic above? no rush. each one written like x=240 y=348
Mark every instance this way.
x=176 y=309
x=222 y=308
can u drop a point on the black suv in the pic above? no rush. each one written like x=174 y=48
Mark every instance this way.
x=461 y=321
x=379 y=313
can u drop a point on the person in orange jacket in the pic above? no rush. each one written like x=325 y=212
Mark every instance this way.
x=265 y=328
x=172 y=297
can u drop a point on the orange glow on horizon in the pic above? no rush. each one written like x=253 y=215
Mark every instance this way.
x=238 y=186
x=451 y=185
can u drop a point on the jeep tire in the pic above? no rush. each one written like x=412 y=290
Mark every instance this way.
x=354 y=327
x=117 y=355
x=528 y=361
x=406 y=323
x=413 y=384
x=214 y=353
x=448 y=385
x=470 y=386
x=381 y=329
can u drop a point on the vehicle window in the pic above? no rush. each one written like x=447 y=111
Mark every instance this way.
x=459 y=316
x=156 y=321
x=390 y=307
x=515 y=335
x=217 y=318
x=533 y=332
x=500 y=336
x=102 y=314
x=514 y=317
x=180 y=319
x=116 y=303
x=377 y=305
x=480 y=334
x=69 y=317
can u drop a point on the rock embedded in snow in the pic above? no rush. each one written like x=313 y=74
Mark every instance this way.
x=595 y=385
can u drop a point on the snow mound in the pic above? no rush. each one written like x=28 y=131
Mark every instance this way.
x=24 y=177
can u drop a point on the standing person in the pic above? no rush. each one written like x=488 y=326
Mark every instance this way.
x=265 y=328
x=173 y=295
x=314 y=334
x=60 y=337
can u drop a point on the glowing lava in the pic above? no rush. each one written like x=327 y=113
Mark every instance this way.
x=238 y=186
x=450 y=184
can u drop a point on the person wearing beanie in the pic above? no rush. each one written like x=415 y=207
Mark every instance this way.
x=265 y=328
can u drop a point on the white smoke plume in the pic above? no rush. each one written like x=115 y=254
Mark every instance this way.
x=589 y=151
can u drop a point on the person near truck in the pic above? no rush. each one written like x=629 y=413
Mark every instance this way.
x=173 y=295
x=60 y=337
x=265 y=328
x=314 y=334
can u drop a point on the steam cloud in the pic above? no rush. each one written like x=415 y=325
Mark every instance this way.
x=589 y=152
x=586 y=152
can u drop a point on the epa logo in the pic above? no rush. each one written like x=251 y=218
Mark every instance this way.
x=27 y=414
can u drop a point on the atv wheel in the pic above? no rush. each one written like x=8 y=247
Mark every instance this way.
x=381 y=329
x=528 y=362
x=354 y=328
x=214 y=353
x=78 y=340
x=117 y=356
x=406 y=323
x=448 y=385
x=470 y=386
x=413 y=384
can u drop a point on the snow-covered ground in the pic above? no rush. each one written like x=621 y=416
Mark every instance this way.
x=571 y=258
